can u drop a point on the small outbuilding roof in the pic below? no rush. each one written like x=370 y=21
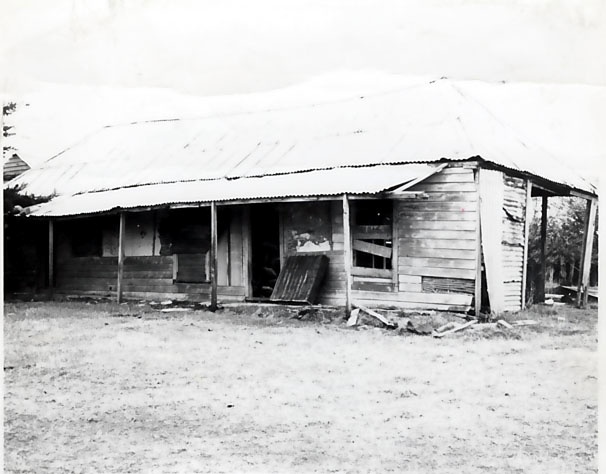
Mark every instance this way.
x=183 y=160
x=13 y=167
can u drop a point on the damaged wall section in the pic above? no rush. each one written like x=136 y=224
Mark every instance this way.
x=316 y=228
x=166 y=254
x=514 y=215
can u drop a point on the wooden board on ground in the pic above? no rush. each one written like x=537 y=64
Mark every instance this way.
x=374 y=314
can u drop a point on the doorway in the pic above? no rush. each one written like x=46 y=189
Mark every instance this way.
x=265 y=249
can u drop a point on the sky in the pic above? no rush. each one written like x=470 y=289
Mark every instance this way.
x=83 y=64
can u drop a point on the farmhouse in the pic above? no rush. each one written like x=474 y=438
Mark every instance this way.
x=417 y=197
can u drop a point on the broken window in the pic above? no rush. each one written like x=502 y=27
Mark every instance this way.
x=372 y=234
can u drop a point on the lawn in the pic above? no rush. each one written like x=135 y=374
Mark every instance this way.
x=107 y=388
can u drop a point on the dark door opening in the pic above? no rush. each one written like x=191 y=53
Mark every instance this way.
x=265 y=243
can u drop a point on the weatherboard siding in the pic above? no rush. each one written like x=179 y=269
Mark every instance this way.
x=437 y=241
x=145 y=277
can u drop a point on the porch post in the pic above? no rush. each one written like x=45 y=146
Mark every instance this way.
x=347 y=254
x=540 y=297
x=51 y=256
x=586 y=252
x=213 y=256
x=527 y=218
x=246 y=251
x=120 y=257
x=478 y=282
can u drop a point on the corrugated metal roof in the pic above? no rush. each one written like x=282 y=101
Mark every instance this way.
x=420 y=123
x=333 y=182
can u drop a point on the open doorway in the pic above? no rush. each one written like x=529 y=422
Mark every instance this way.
x=265 y=249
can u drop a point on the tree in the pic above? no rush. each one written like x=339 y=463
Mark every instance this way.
x=7 y=109
x=565 y=233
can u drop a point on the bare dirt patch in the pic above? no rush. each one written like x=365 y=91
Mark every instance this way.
x=108 y=388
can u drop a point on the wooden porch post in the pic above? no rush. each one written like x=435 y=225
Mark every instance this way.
x=527 y=218
x=540 y=298
x=347 y=254
x=246 y=252
x=120 y=258
x=51 y=256
x=478 y=282
x=213 y=256
x=586 y=252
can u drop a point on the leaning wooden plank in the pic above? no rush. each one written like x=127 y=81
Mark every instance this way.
x=374 y=314
x=373 y=249
x=505 y=324
x=457 y=329
x=446 y=327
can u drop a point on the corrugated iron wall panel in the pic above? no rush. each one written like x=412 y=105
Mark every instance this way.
x=300 y=278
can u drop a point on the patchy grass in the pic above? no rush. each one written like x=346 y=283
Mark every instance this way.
x=107 y=388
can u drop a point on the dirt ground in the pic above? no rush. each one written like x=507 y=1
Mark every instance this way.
x=107 y=388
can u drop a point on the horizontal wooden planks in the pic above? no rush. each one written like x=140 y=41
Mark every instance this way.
x=464 y=264
x=451 y=225
x=437 y=236
x=412 y=287
x=419 y=298
x=371 y=272
x=421 y=243
x=445 y=186
x=438 y=272
x=418 y=251
x=423 y=205
x=373 y=286
x=428 y=215
x=442 y=234
x=411 y=306
x=438 y=196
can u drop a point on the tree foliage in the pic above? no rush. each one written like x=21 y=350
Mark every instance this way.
x=7 y=109
x=565 y=233
x=15 y=201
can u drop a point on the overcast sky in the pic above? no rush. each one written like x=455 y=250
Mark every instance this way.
x=82 y=64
